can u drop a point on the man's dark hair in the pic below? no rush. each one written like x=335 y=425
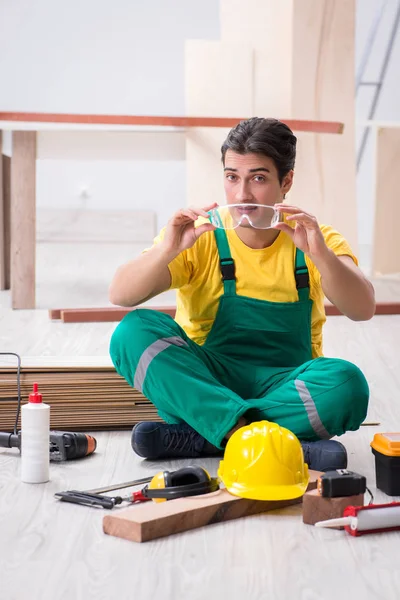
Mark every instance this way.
x=269 y=137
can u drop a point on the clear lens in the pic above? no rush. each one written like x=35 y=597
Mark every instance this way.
x=232 y=216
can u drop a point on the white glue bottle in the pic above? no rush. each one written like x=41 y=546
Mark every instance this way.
x=35 y=434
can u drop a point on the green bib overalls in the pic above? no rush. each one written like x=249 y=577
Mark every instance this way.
x=256 y=360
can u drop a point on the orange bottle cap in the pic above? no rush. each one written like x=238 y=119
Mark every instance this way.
x=387 y=443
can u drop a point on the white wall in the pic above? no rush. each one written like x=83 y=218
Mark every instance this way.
x=127 y=57
x=97 y=56
x=126 y=171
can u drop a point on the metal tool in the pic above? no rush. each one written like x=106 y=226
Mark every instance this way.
x=119 y=486
x=94 y=497
x=108 y=502
x=165 y=485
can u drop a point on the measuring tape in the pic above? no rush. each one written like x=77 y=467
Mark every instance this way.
x=341 y=482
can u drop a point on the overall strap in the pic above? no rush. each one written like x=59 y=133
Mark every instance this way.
x=302 y=276
x=226 y=262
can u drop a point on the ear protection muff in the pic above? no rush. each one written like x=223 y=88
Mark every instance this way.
x=188 y=481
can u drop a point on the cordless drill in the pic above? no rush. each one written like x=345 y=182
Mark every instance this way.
x=63 y=445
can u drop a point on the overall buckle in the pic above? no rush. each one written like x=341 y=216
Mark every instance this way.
x=302 y=279
x=227 y=266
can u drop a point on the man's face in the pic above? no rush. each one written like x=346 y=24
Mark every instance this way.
x=253 y=178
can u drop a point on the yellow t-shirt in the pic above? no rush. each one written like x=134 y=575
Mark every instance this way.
x=266 y=274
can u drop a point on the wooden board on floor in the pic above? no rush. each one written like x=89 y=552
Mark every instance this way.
x=99 y=314
x=151 y=520
x=80 y=397
x=382 y=308
x=114 y=314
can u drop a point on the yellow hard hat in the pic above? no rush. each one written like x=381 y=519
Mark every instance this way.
x=264 y=461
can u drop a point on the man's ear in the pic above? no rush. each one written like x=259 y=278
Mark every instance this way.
x=287 y=182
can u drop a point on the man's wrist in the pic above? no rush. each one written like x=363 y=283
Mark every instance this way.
x=324 y=259
x=166 y=253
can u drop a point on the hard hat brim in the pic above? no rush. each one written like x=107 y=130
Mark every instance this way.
x=274 y=493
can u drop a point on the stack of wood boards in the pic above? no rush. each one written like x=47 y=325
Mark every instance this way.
x=84 y=393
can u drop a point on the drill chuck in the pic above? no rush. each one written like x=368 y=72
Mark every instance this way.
x=67 y=445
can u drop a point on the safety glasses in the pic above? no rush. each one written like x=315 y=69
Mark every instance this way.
x=232 y=216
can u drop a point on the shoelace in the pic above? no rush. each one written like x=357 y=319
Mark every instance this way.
x=180 y=440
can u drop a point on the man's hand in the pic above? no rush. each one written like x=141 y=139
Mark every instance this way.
x=306 y=235
x=343 y=283
x=180 y=233
x=148 y=275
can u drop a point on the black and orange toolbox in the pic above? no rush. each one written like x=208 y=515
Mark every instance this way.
x=386 y=448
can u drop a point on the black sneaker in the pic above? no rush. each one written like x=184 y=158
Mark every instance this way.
x=325 y=455
x=159 y=440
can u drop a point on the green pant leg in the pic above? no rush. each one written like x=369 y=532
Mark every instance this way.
x=153 y=353
x=322 y=398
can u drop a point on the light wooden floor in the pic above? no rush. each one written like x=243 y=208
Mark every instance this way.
x=51 y=550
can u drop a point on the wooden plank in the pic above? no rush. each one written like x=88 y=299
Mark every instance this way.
x=270 y=35
x=48 y=366
x=7 y=220
x=109 y=314
x=386 y=241
x=150 y=521
x=2 y=222
x=94 y=316
x=317 y=508
x=323 y=54
x=315 y=44
x=382 y=308
x=23 y=219
x=55 y=313
x=80 y=397
x=296 y=124
x=210 y=89
x=388 y=308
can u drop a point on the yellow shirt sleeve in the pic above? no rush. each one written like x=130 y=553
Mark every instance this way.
x=337 y=243
x=181 y=268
